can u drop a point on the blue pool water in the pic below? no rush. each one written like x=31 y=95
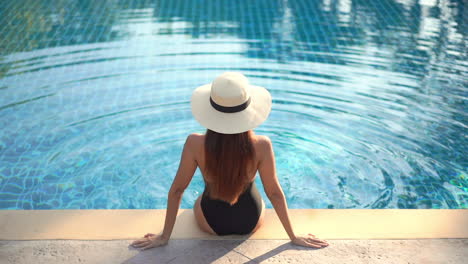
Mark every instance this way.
x=369 y=98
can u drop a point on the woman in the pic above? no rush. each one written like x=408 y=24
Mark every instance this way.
x=229 y=155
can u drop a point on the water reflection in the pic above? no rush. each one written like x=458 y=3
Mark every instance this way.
x=28 y=25
x=374 y=90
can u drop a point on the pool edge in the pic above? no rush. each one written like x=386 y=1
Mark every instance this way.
x=324 y=223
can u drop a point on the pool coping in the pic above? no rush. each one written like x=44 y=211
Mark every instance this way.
x=109 y=224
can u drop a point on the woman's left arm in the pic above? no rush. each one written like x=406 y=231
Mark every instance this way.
x=187 y=167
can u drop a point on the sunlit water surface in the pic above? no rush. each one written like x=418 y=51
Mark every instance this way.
x=369 y=98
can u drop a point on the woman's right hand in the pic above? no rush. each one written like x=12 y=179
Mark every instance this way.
x=309 y=241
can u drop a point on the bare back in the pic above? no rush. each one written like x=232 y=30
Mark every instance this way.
x=264 y=163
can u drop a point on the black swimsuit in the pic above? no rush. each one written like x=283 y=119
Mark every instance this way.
x=240 y=218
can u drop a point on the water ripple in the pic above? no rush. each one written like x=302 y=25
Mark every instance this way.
x=369 y=106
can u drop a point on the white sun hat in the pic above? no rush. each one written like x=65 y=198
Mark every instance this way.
x=230 y=105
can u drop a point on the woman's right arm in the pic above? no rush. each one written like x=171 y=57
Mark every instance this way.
x=267 y=170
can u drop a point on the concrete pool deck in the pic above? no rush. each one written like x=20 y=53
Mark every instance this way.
x=182 y=251
x=355 y=236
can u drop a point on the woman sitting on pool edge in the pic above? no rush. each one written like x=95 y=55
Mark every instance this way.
x=229 y=155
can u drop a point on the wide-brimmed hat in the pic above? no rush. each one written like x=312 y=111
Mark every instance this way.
x=230 y=105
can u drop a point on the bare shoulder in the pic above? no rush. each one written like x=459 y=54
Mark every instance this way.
x=195 y=138
x=263 y=144
x=263 y=140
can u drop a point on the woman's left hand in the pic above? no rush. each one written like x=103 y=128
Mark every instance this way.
x=149 y=241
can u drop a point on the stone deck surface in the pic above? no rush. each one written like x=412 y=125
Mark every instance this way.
x=408 y=251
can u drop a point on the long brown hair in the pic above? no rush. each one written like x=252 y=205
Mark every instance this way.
x=228 y=158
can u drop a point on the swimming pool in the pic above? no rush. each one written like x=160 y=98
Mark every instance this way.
x=369 y=98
